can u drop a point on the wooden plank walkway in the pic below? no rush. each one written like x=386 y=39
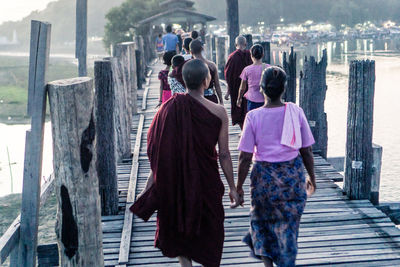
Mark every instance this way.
x=333 y=230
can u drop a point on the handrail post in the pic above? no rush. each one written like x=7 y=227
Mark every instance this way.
x=38 y=62
x=78 y=227
x=359 y=151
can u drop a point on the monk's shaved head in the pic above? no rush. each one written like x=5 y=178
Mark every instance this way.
x=196 y=47
x=241 y=41
x=194 y=73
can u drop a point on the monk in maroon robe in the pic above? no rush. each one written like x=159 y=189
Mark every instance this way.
x=237 y=61
x=184 y=186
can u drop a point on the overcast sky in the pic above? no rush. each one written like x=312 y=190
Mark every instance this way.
x=17 y=9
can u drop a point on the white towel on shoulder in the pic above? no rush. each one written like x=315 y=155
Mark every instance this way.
x=291 y=132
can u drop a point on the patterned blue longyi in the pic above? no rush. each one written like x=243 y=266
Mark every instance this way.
x=278 y=198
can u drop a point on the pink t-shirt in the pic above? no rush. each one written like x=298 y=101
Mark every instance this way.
x=262 y=134
x=252 y=74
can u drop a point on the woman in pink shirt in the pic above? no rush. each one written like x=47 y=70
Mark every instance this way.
x=251 y=76
x=280 y=138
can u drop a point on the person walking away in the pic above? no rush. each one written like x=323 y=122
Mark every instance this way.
x=170 y=41
x=251 y=77
x=175 y=78
x=281 y=138
x=165 y=90
x=194 y=35
x=186 y=49
x=180 y=42
x=213 y=92
x=237 y=61
x=159 y=47
x=184 y=185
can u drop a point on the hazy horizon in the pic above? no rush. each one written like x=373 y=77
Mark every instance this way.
x=18 y=9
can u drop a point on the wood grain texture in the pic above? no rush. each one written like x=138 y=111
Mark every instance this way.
x=359 y=152
x=38 y=63
x=312 y=99
x=267 y=52
x=232 y=15
x=221 y=55
x=81 y=36
x=121 y=114
x=128 y=219
x=106 y=163
x=289 y=65
x=78 y=226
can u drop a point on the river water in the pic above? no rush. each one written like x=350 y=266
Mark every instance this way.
x=386 y=53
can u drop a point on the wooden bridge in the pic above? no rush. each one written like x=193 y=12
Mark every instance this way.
x=334 y=230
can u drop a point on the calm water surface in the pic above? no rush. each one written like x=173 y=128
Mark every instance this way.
x=386 y=53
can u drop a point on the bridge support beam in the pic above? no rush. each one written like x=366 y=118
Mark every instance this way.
x=312 y=98
x=221 y=55
x=232 y=17
x=289 y=64
x=78 y=227
x=359 y=151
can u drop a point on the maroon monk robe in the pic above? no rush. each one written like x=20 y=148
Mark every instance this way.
x=237 y=61
x=187 y=190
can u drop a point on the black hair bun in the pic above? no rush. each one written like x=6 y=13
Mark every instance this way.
x=257 y=51
x=273 y=82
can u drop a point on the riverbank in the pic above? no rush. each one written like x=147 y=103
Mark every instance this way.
x=14 y=75
x=10 y=207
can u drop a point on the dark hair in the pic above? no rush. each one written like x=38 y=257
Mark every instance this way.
x=177 y=60
x=186 y=43
x=257 y=51
x=167 y=57
x=196 y=46
x=160 y=35
x=169 y=28
x=194 y=73
x=273 y=82
x=194 y=34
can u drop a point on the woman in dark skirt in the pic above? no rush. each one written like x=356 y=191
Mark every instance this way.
x=280 y=138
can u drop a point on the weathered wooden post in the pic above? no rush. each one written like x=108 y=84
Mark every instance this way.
x=121 y=52
x=359 y=152
x=81 y=36
x=220 y=42
x=139 y=71
x=208 y=46
x=232 y=16
x=122 y=124
x=312 y=97
x=106 y=163
x=143 y=54
x=38 y=62
x=249 y=39
x=290 y=69
x=133 y=75
x=213 y=48
x=140 y=61
x=78 y=227
x=267 y=52
x=376 y=173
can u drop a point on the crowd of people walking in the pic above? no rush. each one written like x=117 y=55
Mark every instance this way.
x=184 y=186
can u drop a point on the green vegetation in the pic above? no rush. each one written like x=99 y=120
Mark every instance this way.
x=14 y=72
x=121 y=20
